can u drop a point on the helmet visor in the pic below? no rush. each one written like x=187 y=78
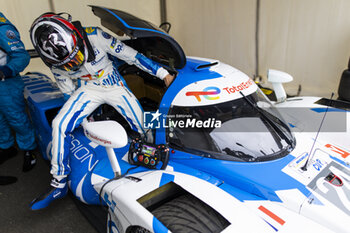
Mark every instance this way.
x=74 y=63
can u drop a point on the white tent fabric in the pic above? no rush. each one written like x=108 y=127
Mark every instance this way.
x=308 y=39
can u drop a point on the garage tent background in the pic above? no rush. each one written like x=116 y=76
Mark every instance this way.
x=308 y=39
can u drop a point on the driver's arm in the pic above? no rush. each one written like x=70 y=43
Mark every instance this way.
x=118 y=49
x=64 y=83
x=16 y=57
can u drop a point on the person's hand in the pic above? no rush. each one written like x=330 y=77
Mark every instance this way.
x=168 y=79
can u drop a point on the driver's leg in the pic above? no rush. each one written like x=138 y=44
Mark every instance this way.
x=81 y=104
x=125 y=102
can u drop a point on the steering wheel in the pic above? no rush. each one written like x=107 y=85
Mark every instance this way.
x=148 y=154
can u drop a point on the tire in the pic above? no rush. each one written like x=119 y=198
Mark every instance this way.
x=137 y=229
x=95 y=214
x=187 y=214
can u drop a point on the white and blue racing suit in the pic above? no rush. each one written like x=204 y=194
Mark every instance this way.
x=101 y=83
x=13 y=59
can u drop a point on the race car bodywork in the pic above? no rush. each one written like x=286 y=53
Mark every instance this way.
x=234 y=164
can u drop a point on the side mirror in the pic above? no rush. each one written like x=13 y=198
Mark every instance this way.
x=276 y=78
x=109 y=134
x=106 y=133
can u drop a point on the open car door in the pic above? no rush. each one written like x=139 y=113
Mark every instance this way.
x=146 y=38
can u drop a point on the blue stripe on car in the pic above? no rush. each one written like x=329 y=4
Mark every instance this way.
x=158 y=227
x=135 y=28
x=340 y=161
x=247 y=176
x=320 y=110
x=166 y=178
x=271 y=225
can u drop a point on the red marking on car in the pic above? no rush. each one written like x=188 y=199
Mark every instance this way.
x=197 y=94
x=271 y=215
x=99 y=139
x=240 y=87
x=206 y=93
x=335 y=149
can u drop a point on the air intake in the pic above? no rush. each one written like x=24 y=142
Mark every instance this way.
x=206 y=66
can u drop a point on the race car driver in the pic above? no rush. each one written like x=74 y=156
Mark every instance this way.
x=74 y=53
x=13 y=59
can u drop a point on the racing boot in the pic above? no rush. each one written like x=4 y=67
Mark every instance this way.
x=58 y=190
x=6 y=154
x=29 y=160
x=5 y=180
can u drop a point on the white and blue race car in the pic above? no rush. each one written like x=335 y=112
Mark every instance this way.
x=223 y=160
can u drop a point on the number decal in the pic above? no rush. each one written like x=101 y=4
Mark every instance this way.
x=317 y=164
x=119 y=48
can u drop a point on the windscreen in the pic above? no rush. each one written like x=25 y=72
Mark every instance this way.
x=245 y=129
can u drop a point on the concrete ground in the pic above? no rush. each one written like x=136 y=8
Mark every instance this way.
x=15 y=215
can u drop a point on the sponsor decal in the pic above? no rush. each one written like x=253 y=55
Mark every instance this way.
x=209 y=93
x=114 y=41
x=96 y=51
x=337 y=150
x=317 y=164
x=82 y=154
x=10 y=34
x=98 y=139
x=119 y=48
x=14 y=48
x=61 y=79
x=97 y=75
x=240 y=87
x=155 y=120
x=301 y=158
x=299 y=161
x=2 y=19
x=106 y=35
x=90 y=30
x=13 y=42
x=100 y=73
x=93 y=63
x=69 y=58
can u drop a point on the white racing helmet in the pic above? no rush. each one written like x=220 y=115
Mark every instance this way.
x=58 y=42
